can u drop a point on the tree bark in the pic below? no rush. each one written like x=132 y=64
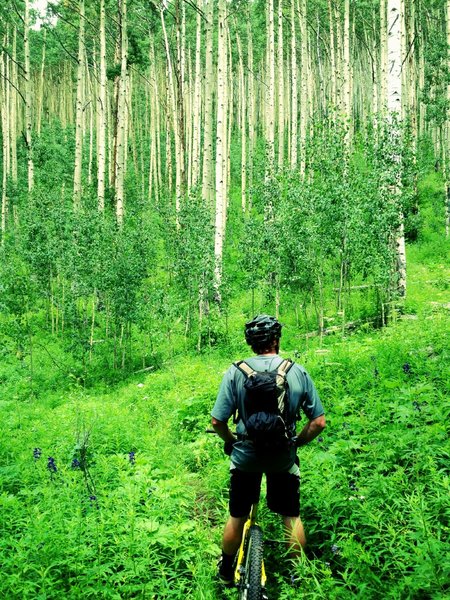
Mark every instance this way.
x=394 y=91
x=79 y=110
x=101 y=111
x=122 y=114
x=28 y=109
x=220 y=147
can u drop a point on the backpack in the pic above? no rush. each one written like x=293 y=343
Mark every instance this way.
x=266 y=406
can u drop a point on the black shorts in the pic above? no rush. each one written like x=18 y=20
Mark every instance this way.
x=283 y=492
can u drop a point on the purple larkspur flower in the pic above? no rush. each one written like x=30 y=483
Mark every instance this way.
x=406 y=368
x=37 y=453
x=75 y=463
x=132 y=458
x=51 y=465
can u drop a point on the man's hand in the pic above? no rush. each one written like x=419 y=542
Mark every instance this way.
x=228 y=448
x=224 y=432
x=311 y=430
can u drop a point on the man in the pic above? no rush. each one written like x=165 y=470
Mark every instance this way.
x=247 y=463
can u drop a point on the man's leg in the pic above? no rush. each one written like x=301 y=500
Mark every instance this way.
x=295 y=534
x=231 y=541
x=232 y=535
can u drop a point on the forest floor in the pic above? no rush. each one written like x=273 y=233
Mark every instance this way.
x=119 y=493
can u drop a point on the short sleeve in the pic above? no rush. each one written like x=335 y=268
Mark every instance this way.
x=310 y=401
x=225 y=404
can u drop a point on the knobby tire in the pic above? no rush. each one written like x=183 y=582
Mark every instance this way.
x=251 y=589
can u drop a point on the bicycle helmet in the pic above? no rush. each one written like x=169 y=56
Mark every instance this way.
x=262 y=329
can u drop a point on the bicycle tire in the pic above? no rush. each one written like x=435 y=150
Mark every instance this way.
x=251 y=588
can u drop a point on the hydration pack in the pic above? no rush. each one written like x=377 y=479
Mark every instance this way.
x=266 y=407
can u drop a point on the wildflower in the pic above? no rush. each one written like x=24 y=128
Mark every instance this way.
x=131 y=458
x=51 y=465
x=76 y=463
x=37 y=453
x=335 y=549
x=406 y=368
x=352 y=485
x=93 y=498
x=140 y=385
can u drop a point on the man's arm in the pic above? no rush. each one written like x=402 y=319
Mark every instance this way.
x=223 y=431
x=311 y=430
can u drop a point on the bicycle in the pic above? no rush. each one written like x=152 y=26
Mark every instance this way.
x=249 y=573
x=249 y=570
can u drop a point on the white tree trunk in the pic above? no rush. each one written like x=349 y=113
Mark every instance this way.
x=347 y=70
x=270 y=107
x=122 y=115
x=13 y=108
x=5 y=138
x=446 y=134
x=197 y=108
x=79 y=111
x=294 y=92
x=175 y=122
x=101 y=112
x=383 y=56
x=305 y=98
x=27 y=77
x=394 y=99
x=281 y=90
x=207 y=176
x=220 y=146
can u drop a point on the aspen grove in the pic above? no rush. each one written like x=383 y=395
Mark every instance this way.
x=283 y=139
x=169 y=169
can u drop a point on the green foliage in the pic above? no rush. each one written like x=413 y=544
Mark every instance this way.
x=122 y=494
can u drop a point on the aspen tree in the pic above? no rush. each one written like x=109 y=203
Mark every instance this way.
x=207 y=175
x=394 y=99
x=281 y=90
x=243 y=124
x=251 y=109
x=122 y=114
x=383 y=56
x=332 y=57
x=375 y=70
x=305 y=99
x=79 y=109
x=220 y=146
x=446 y=158
x=227 y=120
x=5 y=139
x=13 y=107
x=347 y=69
x=270 y=106
x=197 y=107
x=28 y=109
x=339 y=58
x=91 y=93
x=294 y=92
x=179 y=83
x=101 y=112
x=175 y=124
x=40 y=96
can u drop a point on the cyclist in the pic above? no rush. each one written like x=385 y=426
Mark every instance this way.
x=247 y=465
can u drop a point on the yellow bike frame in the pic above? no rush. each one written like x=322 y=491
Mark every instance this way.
x=241 y=554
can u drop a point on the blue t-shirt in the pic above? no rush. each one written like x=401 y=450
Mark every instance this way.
x=303 y=397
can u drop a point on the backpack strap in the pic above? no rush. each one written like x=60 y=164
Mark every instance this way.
x=244 y=368
x=285 y=366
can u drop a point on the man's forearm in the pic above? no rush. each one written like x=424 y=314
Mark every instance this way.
x=311 y=430
x=223 y=431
